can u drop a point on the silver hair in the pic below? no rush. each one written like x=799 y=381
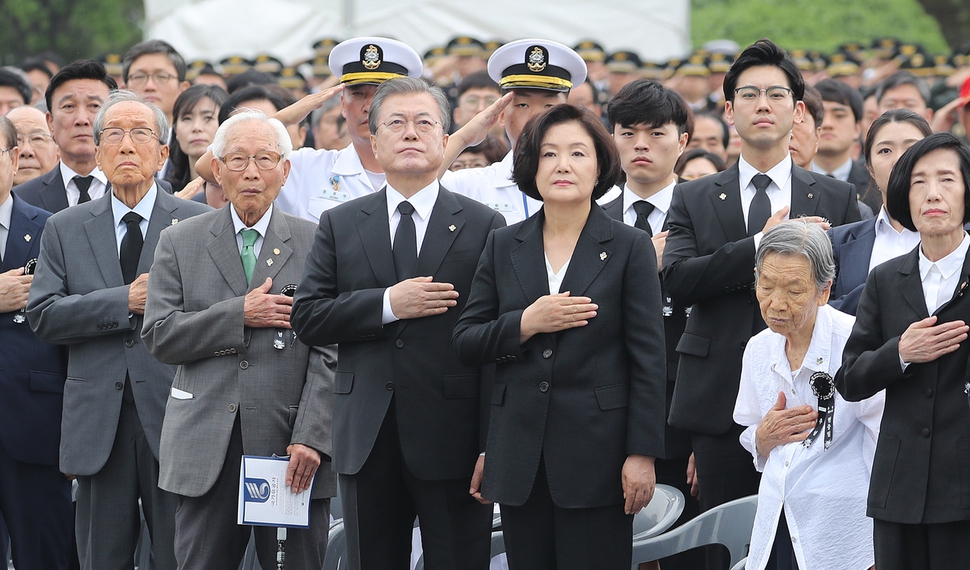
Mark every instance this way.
x=798 y=237
x=283 y=142
x=405 y=86
x=121 y=96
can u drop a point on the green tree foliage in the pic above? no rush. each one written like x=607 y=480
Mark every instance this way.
x=72 y=28
x=814 y=24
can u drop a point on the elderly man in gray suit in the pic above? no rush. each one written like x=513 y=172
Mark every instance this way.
x=217 y=308
x=89 y=293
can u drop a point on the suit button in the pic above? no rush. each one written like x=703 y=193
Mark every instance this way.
x=543 y=387
x=119 y=385
x=926 y=432
x=389 y=385
x=547 y=353
x=129 y=343
x=232 y=408
x=399 y=343
x=244 y=364
x=929 y=392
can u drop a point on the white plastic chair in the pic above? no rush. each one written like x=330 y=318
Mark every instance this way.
x=661 y=512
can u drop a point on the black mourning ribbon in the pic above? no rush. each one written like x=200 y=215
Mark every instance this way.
x=823 y=385
x=279 y=343
x=21 y=316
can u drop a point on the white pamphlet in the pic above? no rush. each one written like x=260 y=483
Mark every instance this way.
x=264 y=498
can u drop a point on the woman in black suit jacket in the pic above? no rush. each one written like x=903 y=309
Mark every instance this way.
x=910 y=342
x=578 y=402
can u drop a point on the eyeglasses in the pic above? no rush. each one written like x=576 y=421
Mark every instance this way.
x=5 y=150
x=397 y=126
x=750 y=93
x=139 y=135
x=237 y=161
x=160 y=78
x=35 y=139
x=474 y=102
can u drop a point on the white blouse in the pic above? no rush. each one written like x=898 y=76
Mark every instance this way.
x=823 y=492
x=555 y=279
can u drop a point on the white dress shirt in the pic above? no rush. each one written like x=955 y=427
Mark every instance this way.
x=840 y=173
x=888 y=242
x=940 y=278
x=423 y=202
x=261 y=226
x=779 y=191
x=143 y=208
x=555 y=279
x=97 y=189
x=6 y=212
x=660 y=201
x=824 y=492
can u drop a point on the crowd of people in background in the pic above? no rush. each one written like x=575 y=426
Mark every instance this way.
x=545 y=276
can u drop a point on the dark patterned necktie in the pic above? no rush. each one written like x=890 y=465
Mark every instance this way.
x=760 y=209
x=405 y=243
x=131 y=247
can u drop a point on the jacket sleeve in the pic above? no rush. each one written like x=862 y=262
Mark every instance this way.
x=314 y=420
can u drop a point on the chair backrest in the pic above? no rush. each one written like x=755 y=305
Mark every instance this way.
x=729 y=524
x=661 y=512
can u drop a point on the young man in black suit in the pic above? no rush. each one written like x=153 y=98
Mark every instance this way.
x=406 y=411
x=715 y=225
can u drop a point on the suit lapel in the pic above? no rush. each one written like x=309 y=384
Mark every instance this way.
x=375 y=236
x=100 y=229
x=804 y=197
x=591 y=254
x=614 y=209
x=164 y=214
x=54 y=193
x=854 y=258
x=273 y=253
x=727 y=204
x=961 y=286
x=443 y=227
x=225 y=252
x=22 y=238
x=910 y=284
x=528 y=258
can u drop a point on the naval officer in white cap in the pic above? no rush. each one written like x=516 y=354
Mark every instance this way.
x=535 y=76
x=322 y=179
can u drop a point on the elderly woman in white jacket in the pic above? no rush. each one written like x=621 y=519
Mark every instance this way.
x=815 y=449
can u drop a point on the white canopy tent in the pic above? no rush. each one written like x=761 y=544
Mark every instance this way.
x=212 y=29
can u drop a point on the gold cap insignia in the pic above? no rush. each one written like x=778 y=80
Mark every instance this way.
x=370 y=58
x=537 y=59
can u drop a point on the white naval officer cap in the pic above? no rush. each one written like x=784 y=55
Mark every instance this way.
x=536 y=64
x=372 y=61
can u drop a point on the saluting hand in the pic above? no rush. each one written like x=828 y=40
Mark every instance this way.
x=554 y=313
x=781 y=426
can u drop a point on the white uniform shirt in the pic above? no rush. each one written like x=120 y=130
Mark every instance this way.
x=493 y=186
x=824 y=492
x=322 y=179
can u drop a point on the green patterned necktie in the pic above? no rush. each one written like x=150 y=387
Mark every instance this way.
x=248 y=252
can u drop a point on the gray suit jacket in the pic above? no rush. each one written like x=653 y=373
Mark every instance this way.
x=194 y=319
x=79 y=298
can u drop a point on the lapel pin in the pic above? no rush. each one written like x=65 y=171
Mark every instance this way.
x=276 y=250
x=175 y=221
x=819 y=360
x=269 y=262
x=452 y=228
x=723 y=196
x=603 y=256
x=810 y=195
x=27 y=238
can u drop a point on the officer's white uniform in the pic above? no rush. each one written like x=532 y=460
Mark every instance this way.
x=493 y=186
x=322 y=179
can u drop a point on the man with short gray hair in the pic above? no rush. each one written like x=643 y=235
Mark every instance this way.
x=408 y=412
x=89 y=293
x=218 y=308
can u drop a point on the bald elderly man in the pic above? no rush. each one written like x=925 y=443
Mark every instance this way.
x=38 y=151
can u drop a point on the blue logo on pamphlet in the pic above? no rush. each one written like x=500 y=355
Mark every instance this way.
x=257 y=490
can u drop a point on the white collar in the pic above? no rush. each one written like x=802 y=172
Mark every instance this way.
x=423 y=200
x=819 y=350
x=884 y=225
x=6 y=212
x=261 y=225
x=660 y=200
x=143 y=208
x=840 y=173
x=67 y=174
x=950 y=264
x=779 y=173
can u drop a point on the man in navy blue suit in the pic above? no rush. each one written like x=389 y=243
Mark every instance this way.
x=35 y=498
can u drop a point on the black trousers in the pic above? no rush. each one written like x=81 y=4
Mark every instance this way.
x=921 y=546
x=382 y=500
x=673 y=472
x=782 y=555
x=542 y=536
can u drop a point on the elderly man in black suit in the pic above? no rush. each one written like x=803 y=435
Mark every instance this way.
x=406 y=410
x=715 y=225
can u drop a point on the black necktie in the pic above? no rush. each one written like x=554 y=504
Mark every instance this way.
x=405 y=243
x=83 y=183
x=760 y=209
x=643 y=209
x=131 y=247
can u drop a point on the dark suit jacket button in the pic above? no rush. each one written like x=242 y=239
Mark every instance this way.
x=929 y=392
x=926 y=432
x=244 y=364
x=119 y=385
x=399 y=343
x=547 y=353
x=232 y=408
x=389 y=385
x=543 y=387
x=129 y=343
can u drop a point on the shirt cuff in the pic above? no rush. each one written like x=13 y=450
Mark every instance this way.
x=387 y=315
x=903 y=364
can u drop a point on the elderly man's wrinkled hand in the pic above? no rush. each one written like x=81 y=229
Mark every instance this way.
x=137 y=293
x=303 y=464
x=14 y=289
x=639 y=482
x=262 y=310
